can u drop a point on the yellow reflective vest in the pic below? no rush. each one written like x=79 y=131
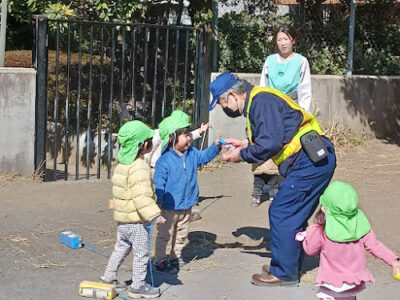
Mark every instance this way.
x=309 y=123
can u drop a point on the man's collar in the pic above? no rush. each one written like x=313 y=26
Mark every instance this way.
x=248 y=91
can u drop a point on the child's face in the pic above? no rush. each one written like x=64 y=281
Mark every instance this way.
x=183 y=142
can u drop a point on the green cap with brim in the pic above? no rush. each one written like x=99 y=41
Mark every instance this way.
x=345 y=222
x=177 y=120
x=130 y=136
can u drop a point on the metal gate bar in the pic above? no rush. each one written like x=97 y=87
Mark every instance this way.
x=101 y=69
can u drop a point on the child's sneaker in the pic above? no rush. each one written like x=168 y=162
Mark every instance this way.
x=165 y=266
x=179 y=263
x=272 y=194
x=118 y=285
x=255 y=202
x=195 y=216
x=145 y=291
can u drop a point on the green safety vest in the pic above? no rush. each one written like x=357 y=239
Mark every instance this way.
x=309 y=123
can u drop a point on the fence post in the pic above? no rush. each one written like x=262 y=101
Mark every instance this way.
x=39 y=62
x=3 y=28
x=214 y=25
x=351 y=37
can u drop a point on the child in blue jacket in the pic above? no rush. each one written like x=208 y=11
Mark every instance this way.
x=177 y=189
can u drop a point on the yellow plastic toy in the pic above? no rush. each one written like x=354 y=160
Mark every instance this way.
x=397 y=275
x=97 y=290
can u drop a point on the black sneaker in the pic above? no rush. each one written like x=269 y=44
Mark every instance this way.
x=118 y=285
x=164 y=266
x=179 y=263
x=145 y=291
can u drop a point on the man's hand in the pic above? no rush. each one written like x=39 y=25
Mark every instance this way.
x=232 y=155
x=235 y=145
x=238 y=143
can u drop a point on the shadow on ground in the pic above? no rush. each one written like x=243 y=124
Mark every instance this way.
x=203 y=244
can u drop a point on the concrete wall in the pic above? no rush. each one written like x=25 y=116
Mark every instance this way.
x=361 y=103
x=17 y=120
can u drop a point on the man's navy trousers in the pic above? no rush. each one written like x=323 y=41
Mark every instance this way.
x=293 y=205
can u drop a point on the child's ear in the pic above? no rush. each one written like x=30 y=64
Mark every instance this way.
x=148 y=144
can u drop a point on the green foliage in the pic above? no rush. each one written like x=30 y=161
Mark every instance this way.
x=376 y=50
x=243 y=48
x=59 y=11
x=202 y=19
x=324 y=46
x=322 y=63
x=186 y=106
x=245 y=39
x=376 y=62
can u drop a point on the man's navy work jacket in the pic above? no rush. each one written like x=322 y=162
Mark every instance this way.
x=273 y=124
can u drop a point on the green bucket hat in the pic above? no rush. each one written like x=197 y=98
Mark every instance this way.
x=177 y=120
x=130 y=135
x=345 y=222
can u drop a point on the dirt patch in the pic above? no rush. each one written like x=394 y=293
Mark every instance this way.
x=18 y=59
x=231 y=238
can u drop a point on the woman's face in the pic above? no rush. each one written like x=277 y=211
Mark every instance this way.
x=285 y=43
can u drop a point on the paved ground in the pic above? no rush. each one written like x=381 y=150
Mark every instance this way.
x=227 y=246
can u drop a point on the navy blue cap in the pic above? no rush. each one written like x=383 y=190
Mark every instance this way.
x=220 y=85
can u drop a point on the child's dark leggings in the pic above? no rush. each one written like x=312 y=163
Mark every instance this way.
x=272 y=181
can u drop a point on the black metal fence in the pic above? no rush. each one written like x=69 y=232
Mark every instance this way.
x=93 y=76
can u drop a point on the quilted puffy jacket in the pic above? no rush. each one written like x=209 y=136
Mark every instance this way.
x=133 y=193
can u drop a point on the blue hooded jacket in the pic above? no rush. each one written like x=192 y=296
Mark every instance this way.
x=175 y=177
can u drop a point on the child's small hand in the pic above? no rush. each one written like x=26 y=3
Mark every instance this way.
x=300 y=236
x=160 y=220
x=217 y=142
x=396 y=266
x=204 y=127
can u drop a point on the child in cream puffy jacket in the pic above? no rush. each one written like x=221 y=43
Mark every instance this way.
x=134 y=209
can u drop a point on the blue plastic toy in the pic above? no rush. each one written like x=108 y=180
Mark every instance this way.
x=71 y=239
x=222 y=142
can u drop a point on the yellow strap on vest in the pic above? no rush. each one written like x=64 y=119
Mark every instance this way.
x=309 y=123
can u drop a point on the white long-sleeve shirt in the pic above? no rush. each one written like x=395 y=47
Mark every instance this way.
x=304 y=91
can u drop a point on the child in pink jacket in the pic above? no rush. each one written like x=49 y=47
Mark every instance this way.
x=341 y=235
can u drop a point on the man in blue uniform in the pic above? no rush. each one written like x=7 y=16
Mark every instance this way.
x=275 y=124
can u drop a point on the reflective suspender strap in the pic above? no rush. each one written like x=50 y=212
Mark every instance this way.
x=309 y=123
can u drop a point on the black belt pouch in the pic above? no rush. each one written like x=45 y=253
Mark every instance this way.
x=314 y=146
